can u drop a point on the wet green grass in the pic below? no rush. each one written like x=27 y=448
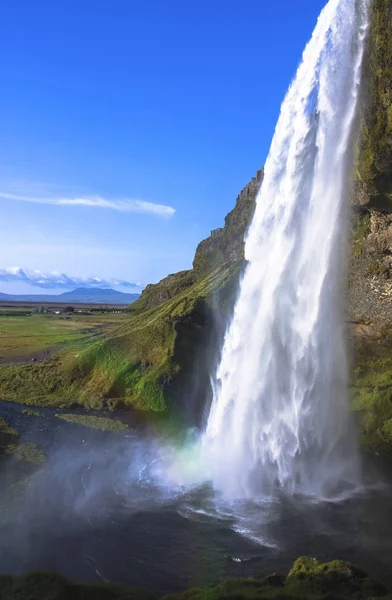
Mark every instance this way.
x=307 y=580
x=132 y=365
x=24 y=335
x=102 y=423
x=32 y=413
x=19 y=461
x=372 y=402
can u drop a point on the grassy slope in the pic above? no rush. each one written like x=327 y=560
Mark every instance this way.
x=134 y=365
x=307 y=580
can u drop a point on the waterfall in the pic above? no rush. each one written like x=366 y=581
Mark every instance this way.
x=280 y=416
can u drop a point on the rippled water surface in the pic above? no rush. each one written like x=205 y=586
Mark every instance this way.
x=101 y=509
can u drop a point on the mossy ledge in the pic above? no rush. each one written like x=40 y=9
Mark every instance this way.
x=307 y=580
x=374 y=174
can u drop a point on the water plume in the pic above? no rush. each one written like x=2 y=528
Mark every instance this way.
x=280 y=415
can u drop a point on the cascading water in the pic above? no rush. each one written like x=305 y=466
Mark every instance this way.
x=280 y=415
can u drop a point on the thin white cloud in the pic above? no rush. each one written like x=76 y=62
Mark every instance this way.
x=55 y=280
x=126 y=205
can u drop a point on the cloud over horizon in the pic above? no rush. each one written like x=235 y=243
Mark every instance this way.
x=124 y=205
x=56 y=280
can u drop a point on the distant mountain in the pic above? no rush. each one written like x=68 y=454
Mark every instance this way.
x=78 y=296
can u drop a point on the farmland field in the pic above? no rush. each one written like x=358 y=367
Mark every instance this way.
x=21 y=336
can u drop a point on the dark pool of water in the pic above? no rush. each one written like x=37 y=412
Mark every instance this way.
x=99 y=510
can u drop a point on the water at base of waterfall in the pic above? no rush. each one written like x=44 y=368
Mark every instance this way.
x=98 y=513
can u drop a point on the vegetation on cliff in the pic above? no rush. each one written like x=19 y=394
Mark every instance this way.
x=374 y=167
x=370 y=269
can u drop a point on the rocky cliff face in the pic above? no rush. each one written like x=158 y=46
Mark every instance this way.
x=223 y=248
x=226 y=245
x=370 y=281
x=374 y=175
x=370 y=268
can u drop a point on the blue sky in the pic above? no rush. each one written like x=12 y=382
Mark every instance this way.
x=130 y=126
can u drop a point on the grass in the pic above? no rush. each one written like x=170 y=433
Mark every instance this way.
x=140 y=362
x=372 y=401
x=307 y=580
x=32 y=413
x=102 y=423
x=12 y=445
x=26 y=451
x=375 y=157
x=134 y=364
x=6 y=430
x=19 y=461
x=360 y=231
x=24 y=335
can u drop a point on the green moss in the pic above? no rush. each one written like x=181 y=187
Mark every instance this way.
x=134 y=366
x=102 y=423
x=139 y=363
x=372 y=397
x=32 y=413
x=26 y=451
x=6 y=430
x=375 y=157
x=378 y=267
x=360 y=231
x=21 y=461
x=307 y=580
x=341 y=578
x=11 y=444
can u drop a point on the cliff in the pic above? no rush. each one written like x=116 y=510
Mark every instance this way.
x=370 y=269
x=161 y=359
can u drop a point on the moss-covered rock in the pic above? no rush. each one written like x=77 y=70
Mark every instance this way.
x=94 y=422
x=371 y=393
x=12 y=445
x=307 y=580
x=42 y=585
x=19 y=461
x=374 y=168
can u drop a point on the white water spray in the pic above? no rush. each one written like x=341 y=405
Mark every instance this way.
x=280 y=415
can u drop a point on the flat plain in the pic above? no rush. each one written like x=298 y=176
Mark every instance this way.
x=28 y=336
